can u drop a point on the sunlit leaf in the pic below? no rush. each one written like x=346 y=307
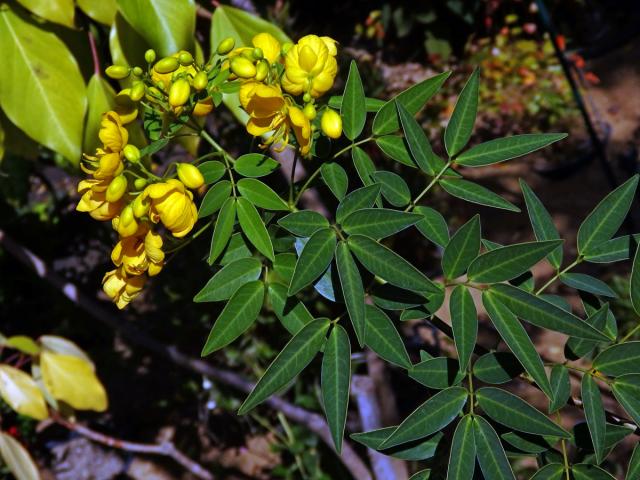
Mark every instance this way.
x=314 y=259
x=254 y=228
x=231 y=277
x=21 y=393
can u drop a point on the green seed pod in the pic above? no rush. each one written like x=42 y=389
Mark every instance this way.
x=140 y=206
x=150 y=55
x=185 y=59
x=226 y=46
x=167 y=65
x=116 y=189
x=257 y=53
x=243 y=68
x=179 y=92
x=262 y=70
x=248 y=54
x=309 y=111
x=137 y=91
x=137 y=71
x=200 y=81
x=131 y=153
x=307 y=97
x=190 y=175
x=117 y=72
x=139 y=184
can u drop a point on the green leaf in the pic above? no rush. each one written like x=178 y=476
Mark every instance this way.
x=253 y=227
x=291 y=313
x=528 y=443
x=507 y=263
x=462 y=459
x=490 y=454
x=236 y=317
x=619 y=359
x=418 y=142
x=394 y=189
x=438 y=373
x=260 y=194
x=633 y=472
x=303 y=223
x=614 y=250
x=352 y=109
x=371 y=105
x=383 y=338
x=513 y=412
x=255 y=165
x=462 y=249
x=293 y=358
x=212 y=171
x=552 y=471
x=314 y=259
x=464 y=322
x=544 y=314
x=605 y=219
x=560 y=387
x=335 y=178
x=103 y=11
x=388 y=265
x=214 y=198
x=37 y=65
x=223 y=229
x=101 y=99
x=430 y=417
x=361 y=198
x=225 y=283
x=474 y=193
x=352 y=290
x=432 y=225
x=579 y=347
x=497 y=367
x=335 y=378
x=586 y=471
x=542 y=223
x=167 y=25
x=412 y=451
x=363 y=165
x=378 y=222
x=421 y=475
x=594 y=413
x=395 y=148
x=413 y=99
x=460 y=125
x=516 y=338
x=587 y=283
x=634 y=283
x=626 y=389
x=16 y=458
x=56 y=11
x=502 y=149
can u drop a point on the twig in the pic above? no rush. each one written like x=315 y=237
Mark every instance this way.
x=94 y=54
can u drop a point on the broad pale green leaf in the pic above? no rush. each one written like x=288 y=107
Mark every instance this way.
x=255 y=165
x=634 y=283
x=542 y=223
x=388 y=265
x=291 y=313
x=438 y=373
x=17 y=458
x=462 y=458
x=352 y=109
x=293 y=358
x=363 y=164
x=460 y=125
x=464 y=322
x=474 y=193
x=501 y=149
x=605 y=219
x=497 y=367
x=358 y=199
x=371 y=105
x=103 y=11
x=507 y=263
x=560 y=387
x=283 y=266
x=167 y=25
x=633 y=472
x=552 y=471
x=378 y=222
x=126 y=45
x=544 y=314
x=231 y=277
x=432 y=225
x=56 y=11
x=418 y=142
x=513 y=412
x=223 y=229
x=383 y=338
x=594 y=413
x=212 y=171
x=38 y=66
x=101 y=99
x=237 y=316
x=335 y=379
x=463 y=247
x=586 y=471
x=303 y=223
x=352 y=290
x=335 y=178
x=413 y=99
x=626 y=389
x=619 y=359
x=489 y=452
x=395 y=147
x=394 y=189
x=516 y=338
x=412 y=451
x=430 y=417
x=587 y=283
x=260 y=194
x=253 y=227
x=214 y=198
x=314 y=259
x=20 y=392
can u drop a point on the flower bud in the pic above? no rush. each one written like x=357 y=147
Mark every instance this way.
x=262 y=70
x=117 y=72
x=190 y=175
x=286 y=47
x=139 y=184
x=226 y=46
x=243 y=68
x=137 y=91
x=127 y=223
x=140 y=206
x=306 y=98
x=309 y=111
x=150 y=55
x=185 y=59
x=131 y=153
x=137 y=71
x=116 y=189
x=200 y=81
x=179 y=92
x=331 y=123
x=257 y=53
x=167 y=65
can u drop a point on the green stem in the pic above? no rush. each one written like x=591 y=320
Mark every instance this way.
x=564 y=452
x=412 y=205
x=353 y=145
x=192 y=238
x=471 y=394
x=557 y=275
x=148 y=172
x=633 y=331
x=225 y=155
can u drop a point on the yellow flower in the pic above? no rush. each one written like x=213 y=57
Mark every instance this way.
x=310 y=66
x=112 y=134
x=139 y=253
x=301 y=129
x=106 y=164
x=122 y=288
x=269 y=45
x=172 y=204
x=94 y=200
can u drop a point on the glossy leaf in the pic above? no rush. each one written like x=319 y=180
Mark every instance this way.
x=253 y=227
x=432 y=225
x=356 y=200
x=314 y=259
x=552 y=471
x=626 y=389
x=223 y=229
x=579 y=347
x=371 y=105
x=214 y=198
x=56 y=11
x=335 y=178
x=418 y=143
x=462 y=458
x=594 y=413
x=363 y=165
x=231 y=277
x=497 y=367
x=614 y=250
x=352 y=108
x=303 y=223
x=560 y=387
x=17 y=458
x=474 y=193
x=619 y=359
x=502 y=149
x=212 y=171
x=100 y=98
x=527 y=442
x=21 y=393
x=383 y=338
x=393 y=188
x=460 y=124
x=291 y=313
x=396 y=148
x=103 y=11
x=411 y=451
x=260 y=194
x=464 y=322
x=437 y=373
x=255 y=165
x=587 y=283
x=352 y=290
x=462 y=249
x=490 y=454
x=634 y=283
x=378 y=222
x=586 y=471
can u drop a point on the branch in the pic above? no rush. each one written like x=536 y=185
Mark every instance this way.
x=311 y=420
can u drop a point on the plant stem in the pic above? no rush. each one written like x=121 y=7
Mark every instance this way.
x=471 y=394
x=564 y=452
x=205 y=135
x=349 y=147
x=633 y=331
x=192 y=238
x=412 y=205
x=557 y=275
x=292 y=179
